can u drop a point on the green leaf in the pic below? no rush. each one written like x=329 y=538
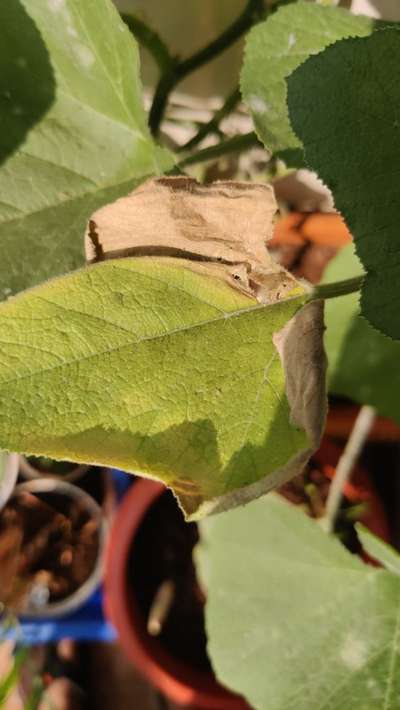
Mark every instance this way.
x=351 y=138
x=274 y=48
x=77 y=69
x=23 y=102
x=379 y=550
x=359 y=357
x=294 y=620
x=145 y=364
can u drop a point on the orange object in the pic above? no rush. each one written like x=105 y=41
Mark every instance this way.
x=328 y=229
x=287 y=231
x=324 y=228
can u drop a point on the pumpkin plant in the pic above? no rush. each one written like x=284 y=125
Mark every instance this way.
x=181 y=351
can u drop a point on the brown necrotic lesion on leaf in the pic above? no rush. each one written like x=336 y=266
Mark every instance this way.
x=221 y=229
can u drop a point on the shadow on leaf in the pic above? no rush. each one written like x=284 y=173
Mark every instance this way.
x=186 y=457
x=27 y=85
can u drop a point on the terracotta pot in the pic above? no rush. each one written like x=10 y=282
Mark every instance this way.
x=341 y=418
x=181 y=683
x=30 y=472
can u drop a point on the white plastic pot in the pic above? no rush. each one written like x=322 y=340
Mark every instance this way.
x=89 y=505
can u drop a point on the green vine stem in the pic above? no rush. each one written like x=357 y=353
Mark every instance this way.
x=337 y=288
x=213 y=125
x=253 y=11
x=237 y=144
x=149 y=39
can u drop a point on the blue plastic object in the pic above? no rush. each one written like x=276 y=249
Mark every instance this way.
x=84 y=624
x=122 y=482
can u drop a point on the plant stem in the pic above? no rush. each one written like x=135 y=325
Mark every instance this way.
x=337 y=288
x=212 y=126
x=149 y=39
x=253 y=11
x=237 y=144
x=359 y=434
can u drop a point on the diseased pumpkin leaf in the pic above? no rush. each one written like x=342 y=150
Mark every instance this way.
x=345 y=107
x=81 y=134
x=156 y=367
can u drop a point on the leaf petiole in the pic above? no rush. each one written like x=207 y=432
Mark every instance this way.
x=149 y=39
x=337 y=288
x=236 y=144
x=212 y=126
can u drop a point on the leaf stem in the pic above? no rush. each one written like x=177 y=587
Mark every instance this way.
x=237 y=144
x=149 y=39
x=356 y=441
x=253 y=11
x=337 y=288
x=212 y=126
